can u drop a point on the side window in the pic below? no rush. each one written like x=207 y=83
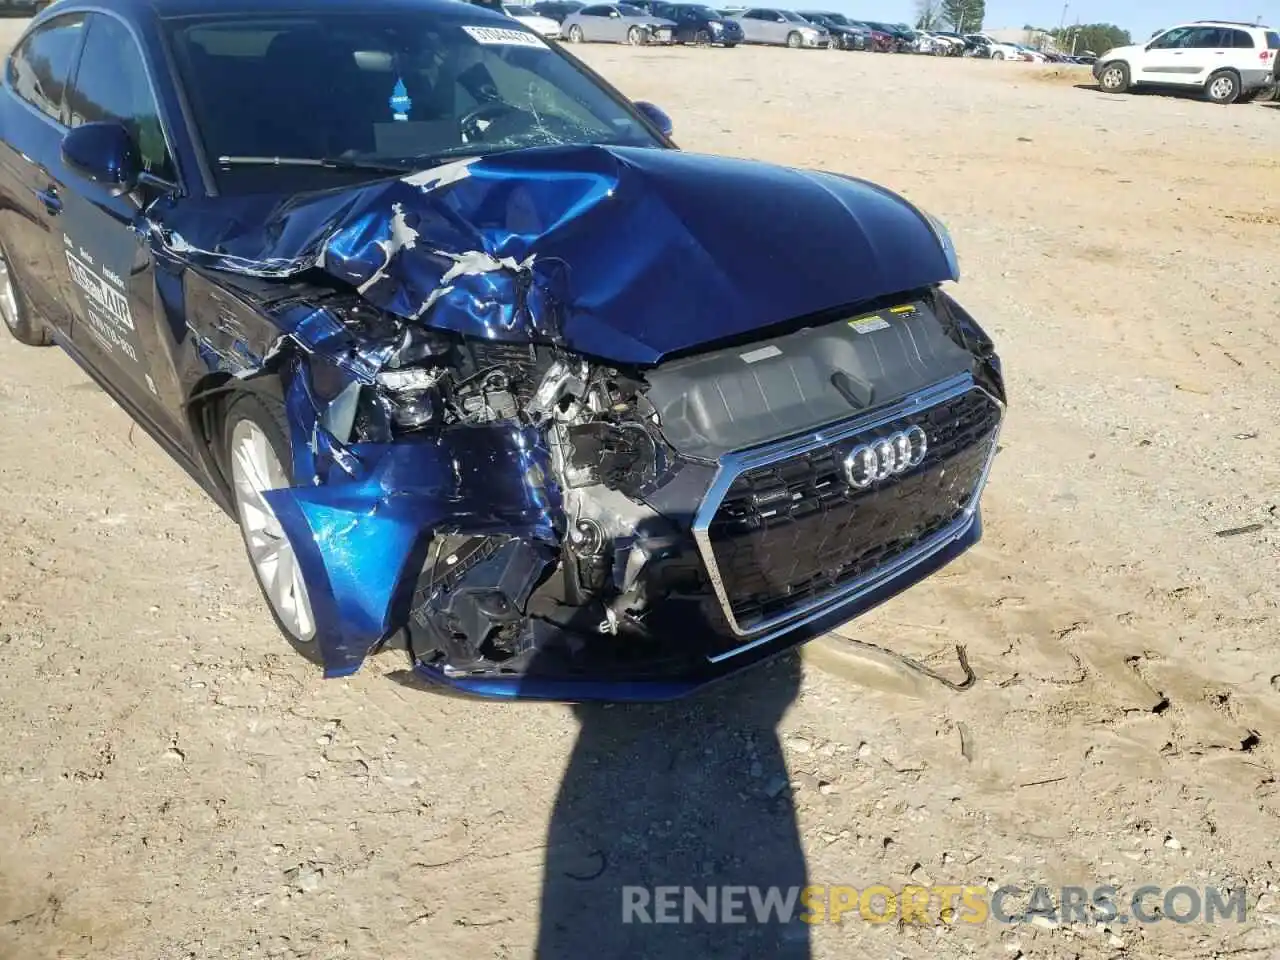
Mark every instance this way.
x=111 y=84
x=1241 y=40
x=1173 y=38
x=1207 y=38
x=594 y=11
x=39 y=67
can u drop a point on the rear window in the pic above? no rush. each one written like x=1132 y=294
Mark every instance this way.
x=1273 y=40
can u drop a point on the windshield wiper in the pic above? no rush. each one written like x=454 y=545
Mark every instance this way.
x=328 y=163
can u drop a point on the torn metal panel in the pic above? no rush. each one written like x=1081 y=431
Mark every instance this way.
x=611 y=252
x=354 y=538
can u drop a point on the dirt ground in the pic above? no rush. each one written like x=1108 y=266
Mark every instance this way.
x=175 y=783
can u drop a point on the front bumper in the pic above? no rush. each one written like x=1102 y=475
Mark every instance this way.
x=712 y=648
x=584 y=689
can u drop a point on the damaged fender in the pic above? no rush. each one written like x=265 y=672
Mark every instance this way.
x=354 y=538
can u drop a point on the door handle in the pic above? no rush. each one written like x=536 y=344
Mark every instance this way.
x=49 y=197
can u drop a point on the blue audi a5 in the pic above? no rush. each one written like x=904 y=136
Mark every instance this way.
x=483 y=365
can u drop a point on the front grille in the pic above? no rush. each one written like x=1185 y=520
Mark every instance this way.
x=788 y=532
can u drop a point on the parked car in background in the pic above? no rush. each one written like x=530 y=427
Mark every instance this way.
x=557 y=10
x=1029 y=54
x=899 y=41
x=1229 y=62
x=782 y=27
x=976 y=45
x=958 y=43
x=698 y=23
x=844 y=33
x=999 y=50
x=539 y=24
x=616 y=23
x=20 y=8
x=881 y=42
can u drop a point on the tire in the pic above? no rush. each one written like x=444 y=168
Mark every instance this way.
x=730 y=46
x=1223 y=87
x=635 y=36
x=1114 y=78
x=997 y=55
x=255 y=455
x=793 y=40
x=575 y=34
x=702 y=38
x=19 y=319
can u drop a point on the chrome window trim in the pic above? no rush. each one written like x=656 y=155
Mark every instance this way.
x=732 y=465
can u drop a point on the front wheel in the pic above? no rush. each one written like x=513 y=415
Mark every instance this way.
x=702 y=38
x=635 y=36
x=793 y=39
x=997 y=55
x=256 y=455
x=1114 y=78
x=1223 y=87
x=575 y=34
x=730 y=46
x=16 y=310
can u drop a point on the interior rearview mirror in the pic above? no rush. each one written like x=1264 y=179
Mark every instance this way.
x=103 y=153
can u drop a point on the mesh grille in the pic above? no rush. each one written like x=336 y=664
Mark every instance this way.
x=791 y=531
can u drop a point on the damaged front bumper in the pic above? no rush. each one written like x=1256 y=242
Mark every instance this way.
x=508 y=583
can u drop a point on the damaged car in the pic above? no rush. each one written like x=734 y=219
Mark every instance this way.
x=481 y=364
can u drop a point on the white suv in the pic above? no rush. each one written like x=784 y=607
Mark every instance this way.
x=1230 y=62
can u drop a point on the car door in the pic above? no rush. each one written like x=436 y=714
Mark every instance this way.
x=1175 y=57
x=750 y=23
x=592 y=20
x=119 y=327
x=614 y=25
x=776 y=27
x=31 y=161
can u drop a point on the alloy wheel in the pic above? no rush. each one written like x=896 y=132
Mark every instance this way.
x=255 y=468
x=8 y=297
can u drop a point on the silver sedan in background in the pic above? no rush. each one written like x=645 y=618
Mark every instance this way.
x=771 y=25
x=616 y=23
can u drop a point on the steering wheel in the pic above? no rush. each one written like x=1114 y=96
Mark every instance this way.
x=491 y=109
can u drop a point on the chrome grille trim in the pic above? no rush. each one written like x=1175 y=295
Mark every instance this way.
x=732 y=465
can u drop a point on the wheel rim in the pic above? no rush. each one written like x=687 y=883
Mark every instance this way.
x=1221 y=88
x=255 y=468
x=8 y=297
x=633 y=36
x=575 y=34
x=1111 y=79
x=793 y=40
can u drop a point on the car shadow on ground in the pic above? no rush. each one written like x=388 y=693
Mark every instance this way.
x=687 y=794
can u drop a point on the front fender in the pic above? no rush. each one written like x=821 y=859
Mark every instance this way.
x=356 y=539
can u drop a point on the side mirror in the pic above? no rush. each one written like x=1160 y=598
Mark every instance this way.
x=103 y=153
x=655 y=116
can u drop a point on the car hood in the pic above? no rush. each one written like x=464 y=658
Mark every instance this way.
x=625 y=254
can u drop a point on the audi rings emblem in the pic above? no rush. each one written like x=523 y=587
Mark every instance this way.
x=890 y=456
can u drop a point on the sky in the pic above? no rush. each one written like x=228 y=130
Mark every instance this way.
x=1139 y=17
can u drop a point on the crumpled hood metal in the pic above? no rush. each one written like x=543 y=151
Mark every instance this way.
x=626 y=254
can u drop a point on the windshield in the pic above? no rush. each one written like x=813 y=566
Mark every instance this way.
x=793 y=17
x=839 y=19
x=397 y=89
x=629 y=11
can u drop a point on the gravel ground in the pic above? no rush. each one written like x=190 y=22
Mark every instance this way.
x=177 y=784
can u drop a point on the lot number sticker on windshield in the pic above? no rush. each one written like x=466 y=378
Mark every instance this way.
x=500 y=36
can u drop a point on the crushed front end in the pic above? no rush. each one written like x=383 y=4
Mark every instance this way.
x=511 y=450
x=542 y=525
